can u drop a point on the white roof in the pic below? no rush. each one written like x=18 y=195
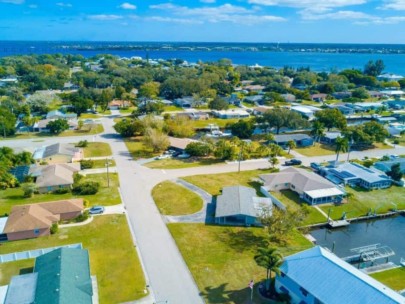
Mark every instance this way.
x=3 y=221
x=236 y=111
x=324 y=192
x=305 y=109
x=393 y=92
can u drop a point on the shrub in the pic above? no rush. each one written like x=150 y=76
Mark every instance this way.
x=82 y=217
x=29 y=189
x=86 y=188
x=77 y=178
x=396 y=141
x=86 y=164
x=86 y=203
x=82 y=144
x=54 y=228
x=61 y=191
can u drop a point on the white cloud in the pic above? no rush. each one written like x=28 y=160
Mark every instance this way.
x=127 y=6
x=223 y=13
x=62 y=4
x=103 y=17
x=12 y=1
x=398 y=5
x=310 y=5
x=173 y=20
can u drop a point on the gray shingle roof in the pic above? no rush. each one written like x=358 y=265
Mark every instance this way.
x=288 y=137
x=241 y=200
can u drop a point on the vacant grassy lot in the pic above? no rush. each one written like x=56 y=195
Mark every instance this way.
x=363 y=200
x=97 y=149
x=292 y=201
x=393 y=278
x=221 y=259
x=138 y=149
x=113 y=258
x=215 y=182
x=173 y=199
x=316 y=150
x=173 y=163
x=101 y=163
x=105 y=196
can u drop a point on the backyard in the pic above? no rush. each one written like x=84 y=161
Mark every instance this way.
x=173 y=199
x=105 y=196
x=316 y=150
x=221 y=259
x=363 y=201
x=108 y=240
x=393 y=278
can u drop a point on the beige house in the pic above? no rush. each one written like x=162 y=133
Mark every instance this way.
x=31 y=221
x=311 y=187
x=52 y=177
x=58 y=154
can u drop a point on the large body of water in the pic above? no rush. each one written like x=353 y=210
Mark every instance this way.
x=387 y=232
x=317 y=57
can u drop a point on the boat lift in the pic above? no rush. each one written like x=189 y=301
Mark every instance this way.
x=369 y=253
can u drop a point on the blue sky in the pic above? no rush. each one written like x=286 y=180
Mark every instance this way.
x=351 y=21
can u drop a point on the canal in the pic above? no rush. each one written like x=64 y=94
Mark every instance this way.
x=387 y=232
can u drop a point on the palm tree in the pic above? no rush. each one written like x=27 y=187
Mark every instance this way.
x=270 y=259
x=318 y=130
x=342 y=145
x=291 y=145
x=275 y=149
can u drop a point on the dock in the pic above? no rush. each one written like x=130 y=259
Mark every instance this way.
x=379 y=268
x=339 y=223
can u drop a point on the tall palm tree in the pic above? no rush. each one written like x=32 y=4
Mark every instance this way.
x=318 y=130
x=342 y=145
x=270 y=259
x=275 y=149
x=291 y=145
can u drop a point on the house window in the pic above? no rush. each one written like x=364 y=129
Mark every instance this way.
x=303 y=291
x=36 y=231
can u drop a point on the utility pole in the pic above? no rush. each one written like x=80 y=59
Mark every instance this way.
x=108 y=173
x=240 y=155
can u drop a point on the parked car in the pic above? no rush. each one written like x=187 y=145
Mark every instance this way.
x=183 y=156
x=315 y=166
x=96 y=210
x=292 y=162
x=163 y=156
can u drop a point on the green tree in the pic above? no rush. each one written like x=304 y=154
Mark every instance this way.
x=280 y=117
x=374 y=68
x=198 y=149
x=275 y=150
x=218 y=103
x=342 y=145
x=29 y=189
x=375 y=130
x=318 y=130
x=291 y=145
x=395 y=173
x=156 y=140
x=242 y=129
x=361 y=93
x=270 y=259
x=7 y=122
x=128 y=128
x=273 y=161
x=331 y=118
x=180 y=126
x=149 y=90
x=225 y=150
x=57 y=126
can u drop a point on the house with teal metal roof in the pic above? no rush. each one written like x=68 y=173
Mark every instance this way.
x=316 y=276
x=63 y=277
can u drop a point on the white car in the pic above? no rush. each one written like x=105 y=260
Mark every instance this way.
x=163 y=156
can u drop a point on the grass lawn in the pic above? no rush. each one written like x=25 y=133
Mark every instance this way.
x=221 y=259
x=292 y=201
x=138 y=149
x=382 y=146
x=401 y=140
x=113 y=258
x=100 y=111
x=213 y=183
x=97 y=149
x=172 y=163
x=316 y=150
x=172 y=109
x=127 y=110
x=100 y=163
x=363 y=200
x=89 y=116
x=217 y=121
x=173 y=199
x=10 y=269
x=105 y=196
x=248 y=104
x=393 y=278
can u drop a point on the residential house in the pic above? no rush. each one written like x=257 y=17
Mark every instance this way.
x=8 y=80
x=238 y=205
x=330 y=138
x=389 y=77
x=385 y=166
x=60 y=276
x=321 y=97
x=261 y=110
x=343 y=109
x=301 y=140
x=58 y=153
x=254 y=99
x=35 y=220
x=306 y=111
x=396 y=104
x=367 y=106
x=68 y=86
x=375 y=94
x=256 y=88
x=20 y=172
x=193 y=115
x=233 y=113
x=185 y=102
x=49 y=178
x=310 y=187
x=318 y=276
x=393 y=93
x=60 y=115
x=342 y=95
x=117 y=104
x=180 y=144
x=354 y=174
x=42 y=125
x=288 y=97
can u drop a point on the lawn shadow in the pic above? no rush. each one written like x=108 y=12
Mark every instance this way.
x=220 y=294
x=242 y=240
x=210 y=211
x=26 y=270
x=256 y=185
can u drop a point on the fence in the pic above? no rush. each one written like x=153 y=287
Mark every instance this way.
x=275 y=201
x=31 y=254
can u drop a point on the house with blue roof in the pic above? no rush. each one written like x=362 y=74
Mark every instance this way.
x=316 y=276
x=55 y=114
x=354 y=174
x=385 y=166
